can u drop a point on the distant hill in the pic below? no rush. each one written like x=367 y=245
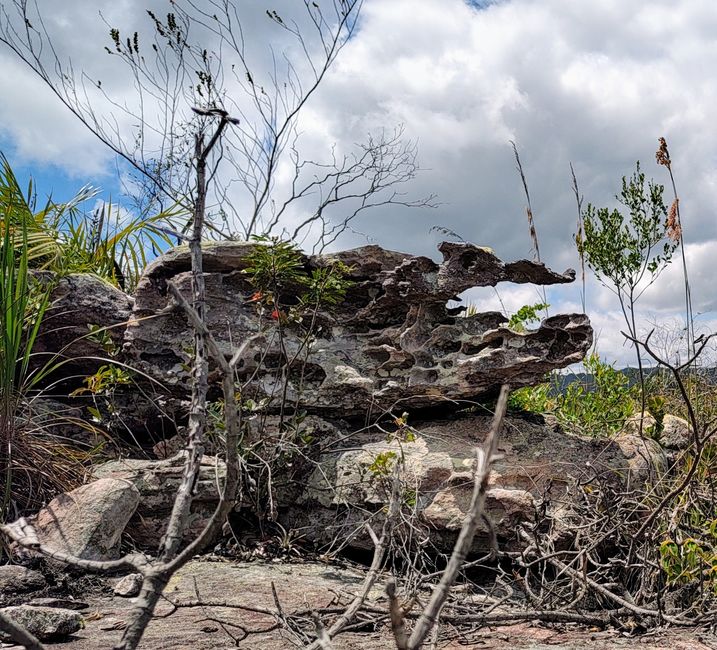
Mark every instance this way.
x=562 y=381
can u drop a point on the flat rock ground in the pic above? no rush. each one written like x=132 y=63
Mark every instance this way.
x=304 y=586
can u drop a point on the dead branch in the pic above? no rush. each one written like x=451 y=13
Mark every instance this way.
x=322 y=636
x=484 y=459
x=380 y=548
x=398 y=617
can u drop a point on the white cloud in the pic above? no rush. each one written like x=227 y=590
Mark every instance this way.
x=592 y=83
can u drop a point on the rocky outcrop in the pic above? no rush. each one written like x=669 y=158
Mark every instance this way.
x=156 y=483
x=332 y=496
x=78 y=301
x=392 y=341
x=537 y=464
x=393 y=338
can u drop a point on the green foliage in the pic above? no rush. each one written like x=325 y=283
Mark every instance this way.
x=105 y=381
x=63 y=238
x=326 y=286
x=526 y=315
x=22 y=305
x=533 y=399
x=598 y=408
x=276 y=266
x=383 y=464
x=692 y=560
x=34 y=466
x=102 y=337
x=278 y=273
x=622 y=251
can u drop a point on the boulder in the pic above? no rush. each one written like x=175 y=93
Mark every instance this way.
x=45 y=623
x=129 y=586
x=78 y=301
x=156 y=483
x=646 y=460
x=633 y=424
x=88 y=521
x=393 y=337
x=676 y=433
x=15 y=579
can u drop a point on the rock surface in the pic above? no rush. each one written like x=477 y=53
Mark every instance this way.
x=306 y=587
x=88 y=522
x=80 y=300
x=46 y=623
x=156 y=483
x=330 y=497
x=537 y=462
x=129 y=586
x=676 y=433
x=393 y=338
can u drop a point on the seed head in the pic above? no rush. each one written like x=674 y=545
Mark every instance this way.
x=674 y=228
x=663 y=155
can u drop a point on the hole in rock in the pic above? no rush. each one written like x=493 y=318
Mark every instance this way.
x=472 y=348
x=447 y=346
x=380 y=355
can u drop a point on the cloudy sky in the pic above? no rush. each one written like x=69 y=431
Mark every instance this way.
x=592 y=83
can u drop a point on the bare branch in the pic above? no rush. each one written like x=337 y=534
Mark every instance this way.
x=484 y=459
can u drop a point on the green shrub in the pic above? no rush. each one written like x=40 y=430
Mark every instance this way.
x=63 y=238
x=600 y=405
x=595 y=406
x=526 y=315
x=533 y=399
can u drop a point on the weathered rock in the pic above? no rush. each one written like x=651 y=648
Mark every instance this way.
x=537 y=462
x=88 y=522
x=129 y=586
x=169 y=447
x=393 y=338
x=676 y=433
x=46 y=623
x=633 y=426
x=249 y=589
x=156 y=483
x=646 y=460
x=80 y=300
x=15 y=579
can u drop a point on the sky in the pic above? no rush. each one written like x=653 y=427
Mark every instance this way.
x=594 y=84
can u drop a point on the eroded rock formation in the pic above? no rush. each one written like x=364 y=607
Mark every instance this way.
x=393 y=339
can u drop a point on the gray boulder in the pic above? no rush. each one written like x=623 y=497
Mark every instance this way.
x=676 y=433
x=80 y=300
x=128 y=586
x=15 y=579
x=45 y=623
